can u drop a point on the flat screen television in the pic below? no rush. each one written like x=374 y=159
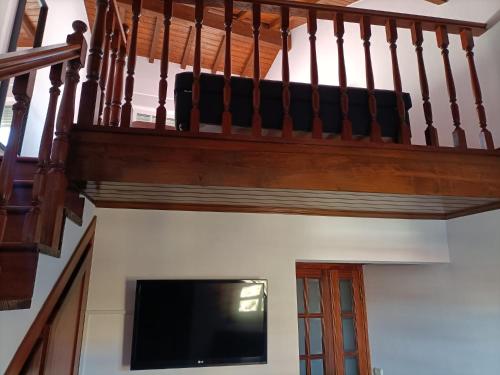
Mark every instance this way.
x=196 y=323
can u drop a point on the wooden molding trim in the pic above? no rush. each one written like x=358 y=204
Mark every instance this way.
x=83 y=249
x=266 y=210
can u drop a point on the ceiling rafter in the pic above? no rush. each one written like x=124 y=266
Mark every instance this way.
x=187 y=48
x=154 y=40
x=215 y=21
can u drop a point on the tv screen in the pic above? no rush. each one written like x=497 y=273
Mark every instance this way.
x=193 y=323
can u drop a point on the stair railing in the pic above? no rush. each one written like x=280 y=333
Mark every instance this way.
x=65 y=61
x=198 y=12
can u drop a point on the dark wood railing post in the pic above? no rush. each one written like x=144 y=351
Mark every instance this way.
x=32 y=223
x=57 y=183
x=115 y=43
x=23 y=85
x=256 y=117
x=228 y=25
x=161 y=111
x=194 y=124
x=392 y=36
x=116 y=102
x=105 y=62
x=339 y=30
x=89 y=105
x=459 y=139
x=468 y=46
x=312 y=28
x=287 y=127
x=132 y=55
x=431 y=134
x=366 y=34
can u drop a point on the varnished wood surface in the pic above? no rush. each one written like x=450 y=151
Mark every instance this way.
x=140 y=155
x=41 y=326
x=213 y=34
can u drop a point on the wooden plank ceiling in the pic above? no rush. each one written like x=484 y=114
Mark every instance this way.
x=150 y=37
x=30 y=22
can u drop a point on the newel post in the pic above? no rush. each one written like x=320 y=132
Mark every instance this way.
x=56 y=178
x=89 y=104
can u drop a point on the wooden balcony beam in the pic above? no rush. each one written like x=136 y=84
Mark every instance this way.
x=142 y=156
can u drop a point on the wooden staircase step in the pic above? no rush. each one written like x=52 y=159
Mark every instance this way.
x=18 y=264
x=21 y=193
x=15 y=222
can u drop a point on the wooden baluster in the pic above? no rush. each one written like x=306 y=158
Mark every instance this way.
x=392 y=36
x=287 y=128
x=256 y=118
x=23 y=85
x=115 y=42
x=161 y=111
x=468 y=46
x=443 y=42
x=366 y=33
x=32 y=223
x=132 y=55
x=194 y=125
x=431 y=134
x=89 y=105
x=339 y=30
x=116 y=102
x=312 y=28
x=228 y=25
x=105 y=62
x=57 y=183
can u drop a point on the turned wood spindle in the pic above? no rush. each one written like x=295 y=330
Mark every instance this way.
x=339 y=30
x=32 y=223
x=23 y=85
x=57 y=182
x=256 y=117
x=392 y=36
x=132 y=55
x=468 y=45
x=89 y=105
x=161 y=111
x=312 y=28
x=228 y=25
x=431 y=134
x=115 y=42
x=195 y=109
x=366 y=33
x=116 y=102
x=287 y=127
x=459 y=139
x=105 y=62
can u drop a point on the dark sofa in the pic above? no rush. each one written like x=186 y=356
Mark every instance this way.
x=211 y=105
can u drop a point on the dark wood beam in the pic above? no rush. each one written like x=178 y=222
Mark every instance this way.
x=214 y=21
x=119 y=155
x=247 y=63
x=218 y=56
x=28 y=26
x=187 y=48
x=154 y=39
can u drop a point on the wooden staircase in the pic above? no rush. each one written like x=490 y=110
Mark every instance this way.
x=35 y=197
x=18 y=259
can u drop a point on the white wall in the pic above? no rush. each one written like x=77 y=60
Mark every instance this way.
x=133 y=244
x=60 y=16
x=487 y=59
x=7 y=14
x=440 y=319
x=15 y=323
